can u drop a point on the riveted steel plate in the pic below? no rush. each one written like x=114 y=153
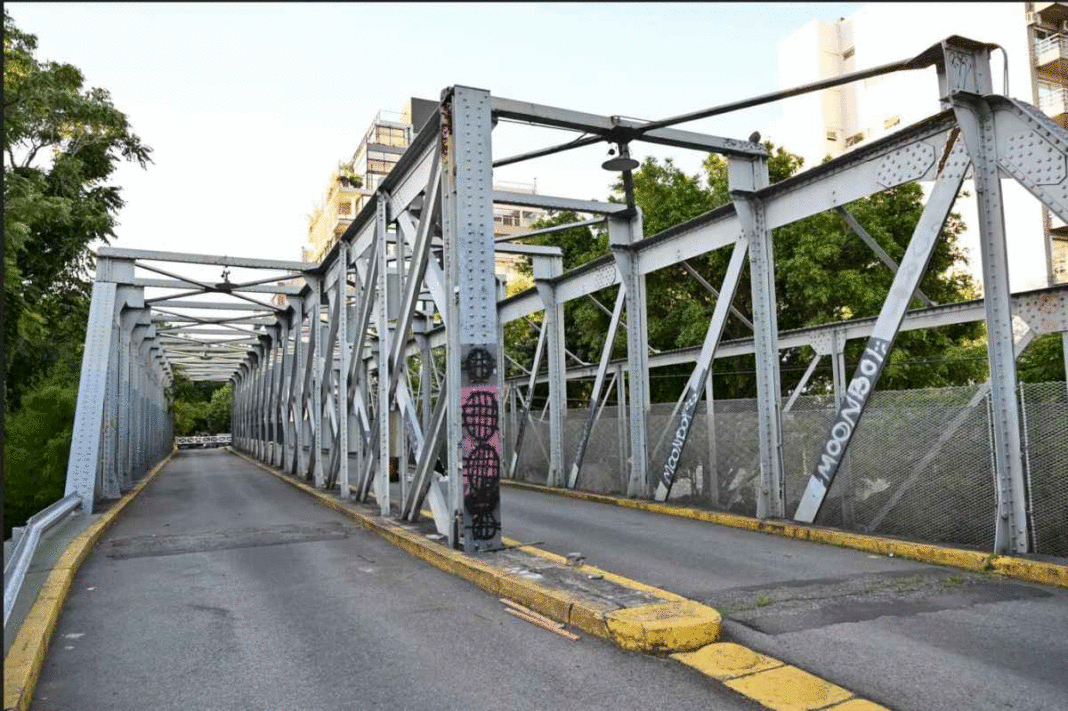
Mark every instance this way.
x=1045 y=313
x=1034 y=157
x=909 y=163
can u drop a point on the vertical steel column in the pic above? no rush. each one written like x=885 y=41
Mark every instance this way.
x=294 y=410
x=472 y=379
x=622 y=233
x=109 y=439
x=84 y=459
x=269 y=408
x=128 y=321
x=281 y=395
x=710 y=485
x=344 y=316
x=745 y=178
x=545 y=269
x=838 y=376
x=318 y=358
x=305 y=439
x=259 y=412
x=622 y=429
x=385 y=439
x=966 y=76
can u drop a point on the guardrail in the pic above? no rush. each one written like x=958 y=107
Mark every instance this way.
x=19 y=563
x=202 y=441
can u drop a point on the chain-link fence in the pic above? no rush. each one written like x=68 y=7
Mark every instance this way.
x=920 y=464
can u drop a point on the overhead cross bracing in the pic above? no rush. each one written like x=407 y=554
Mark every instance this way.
x=386 y=359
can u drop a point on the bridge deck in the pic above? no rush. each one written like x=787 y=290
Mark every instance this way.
x=221 y=587
x=904 y=634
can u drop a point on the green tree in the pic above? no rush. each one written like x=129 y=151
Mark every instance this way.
x=61 y=144
x=199 y=406
x=1043 y=361
x=824 y=273
x=36 y=447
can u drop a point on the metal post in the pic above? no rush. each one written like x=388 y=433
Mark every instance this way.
x=838 y=375
x=385 y=425
x=472 y=379
x=88 y=419
x=344 y=315
x=622 y=234
x=711 y=475
x=746 y=177
x=546 y=268
x=621 y=426
x=968 y=74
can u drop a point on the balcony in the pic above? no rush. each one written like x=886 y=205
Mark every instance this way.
x=1052 y=13
x=1054 y=103
x=1051 y=54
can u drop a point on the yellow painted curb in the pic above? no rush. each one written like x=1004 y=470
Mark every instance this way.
x=771 y=682
x=788 y=688
x=675 y=625
x=1019 y=568
x=725 y=660
x=24 y=660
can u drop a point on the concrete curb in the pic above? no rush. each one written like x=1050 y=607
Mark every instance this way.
x=674 y=625
x=24 y=660
x=1019 y=568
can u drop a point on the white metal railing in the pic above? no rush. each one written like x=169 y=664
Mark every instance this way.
x=202 y=441
x=1054 y=102
x=26 y=546
x=1053 y=43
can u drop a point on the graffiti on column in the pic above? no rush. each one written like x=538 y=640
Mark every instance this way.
x=481 y=446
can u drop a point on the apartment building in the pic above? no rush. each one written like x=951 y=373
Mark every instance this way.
x=831 y=122
x=356 y=180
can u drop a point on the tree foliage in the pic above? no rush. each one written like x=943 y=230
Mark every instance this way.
x=823 y=273
x=61 y=144
x=199 y=407
x=37 y=443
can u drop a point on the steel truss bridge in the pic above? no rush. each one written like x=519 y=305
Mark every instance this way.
x=388 y=353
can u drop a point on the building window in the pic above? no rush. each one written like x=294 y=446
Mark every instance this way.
x=344 y=208
x=891 y=122
x=854 y=139
x=390 y=136
x=379 y=162
x=832 y=135
x=848 y=53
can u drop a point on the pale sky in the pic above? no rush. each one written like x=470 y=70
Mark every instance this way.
x=249 y=107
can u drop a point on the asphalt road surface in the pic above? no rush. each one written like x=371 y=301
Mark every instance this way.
x=221 y=587
x=904 y=634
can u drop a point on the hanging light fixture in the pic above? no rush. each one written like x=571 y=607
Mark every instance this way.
x=621 y=162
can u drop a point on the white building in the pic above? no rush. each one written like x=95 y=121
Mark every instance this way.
x=831 y=122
